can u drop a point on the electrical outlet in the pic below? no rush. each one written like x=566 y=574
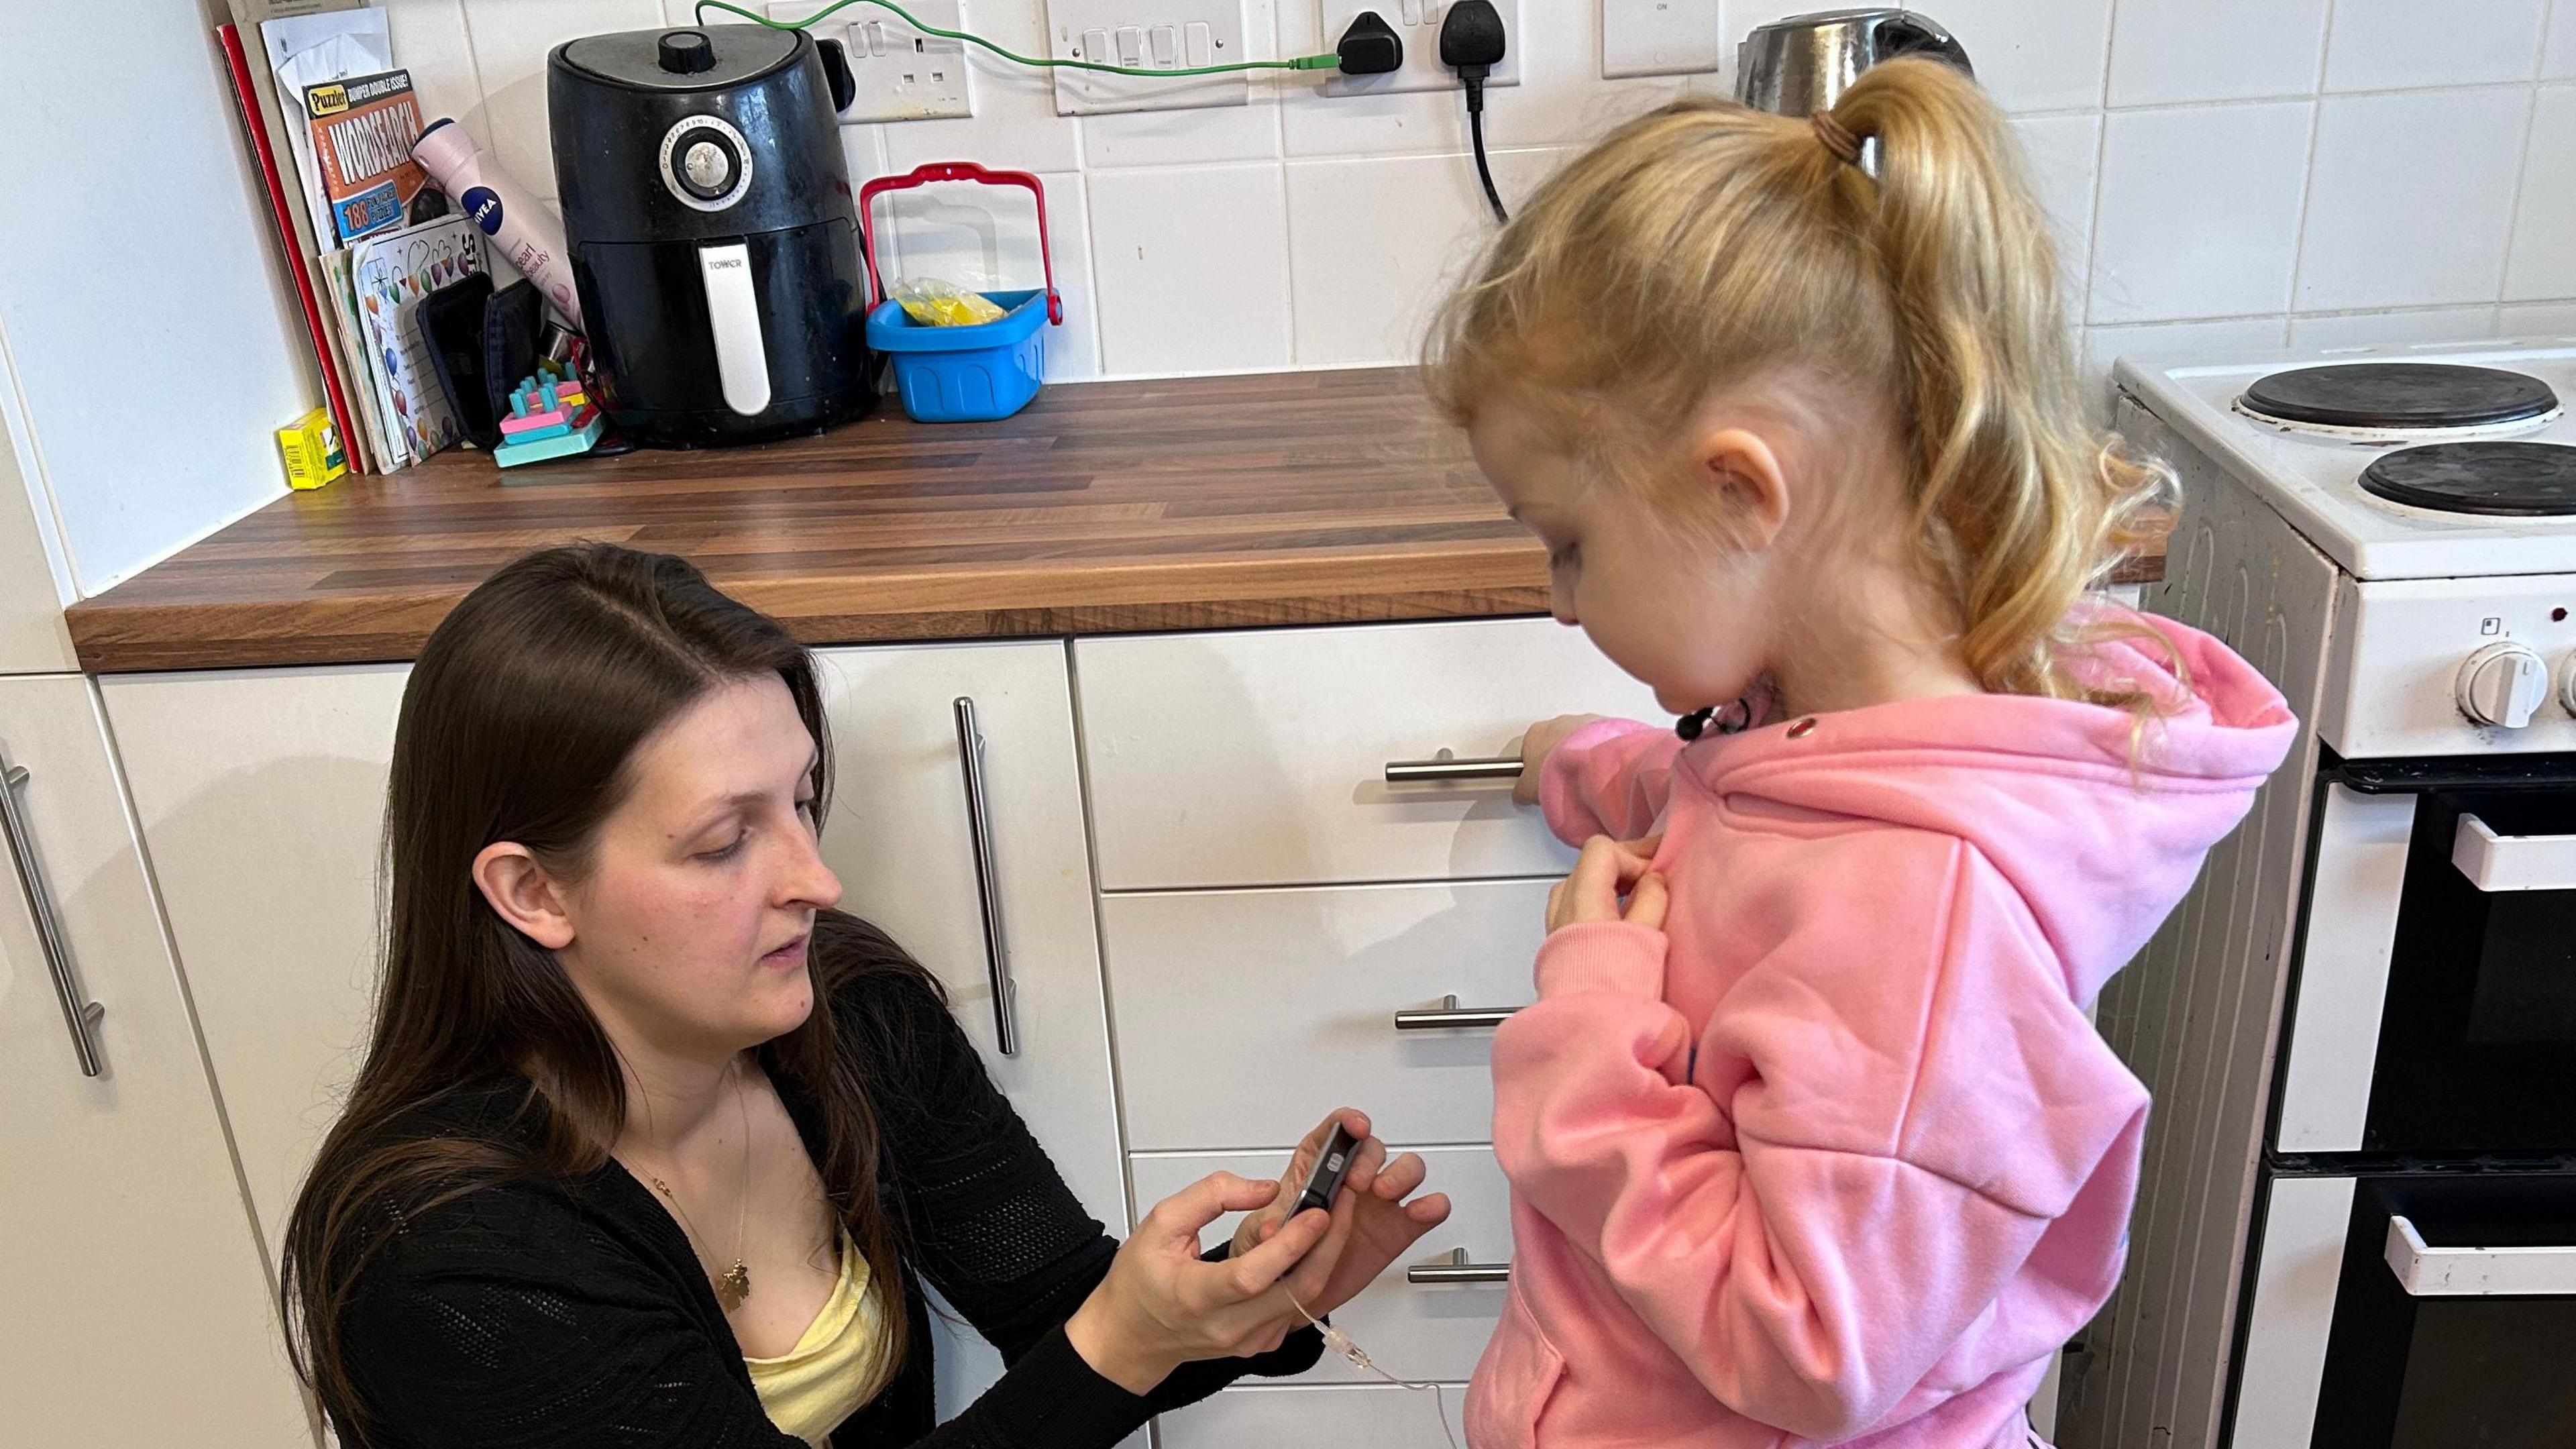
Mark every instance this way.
x=1417 y=24
x=1154 y=35
x=901 y=74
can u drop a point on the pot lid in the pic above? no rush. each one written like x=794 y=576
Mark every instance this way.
x=691 y=58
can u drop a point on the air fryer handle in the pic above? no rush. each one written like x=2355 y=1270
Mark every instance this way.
x=733 y=326
x=836 y=71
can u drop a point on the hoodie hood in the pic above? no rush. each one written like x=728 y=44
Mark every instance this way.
x=2099 y=816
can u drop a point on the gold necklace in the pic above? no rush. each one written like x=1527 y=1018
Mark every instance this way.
x=733 y=1285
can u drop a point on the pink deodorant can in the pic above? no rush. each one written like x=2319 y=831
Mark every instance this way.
x=518 y=223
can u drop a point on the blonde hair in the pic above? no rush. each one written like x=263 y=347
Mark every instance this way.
x=1705 y=247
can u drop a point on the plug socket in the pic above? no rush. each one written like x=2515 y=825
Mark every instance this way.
x=1370 y=46
x=1421 y=69
x=1471 y=38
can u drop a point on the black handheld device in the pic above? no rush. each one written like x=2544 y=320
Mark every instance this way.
x=1324 y=1177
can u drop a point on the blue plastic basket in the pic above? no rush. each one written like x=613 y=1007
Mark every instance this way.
x=963 y=374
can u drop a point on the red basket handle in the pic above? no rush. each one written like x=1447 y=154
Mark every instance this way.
x=954 y=171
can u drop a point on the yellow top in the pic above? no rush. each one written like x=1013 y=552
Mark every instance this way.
x=835 y=1367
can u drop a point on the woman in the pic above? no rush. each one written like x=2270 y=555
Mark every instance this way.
x=652 y=1146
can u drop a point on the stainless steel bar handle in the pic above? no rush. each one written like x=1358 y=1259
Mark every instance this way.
x=79 y=1015
x=988 y=889
x=1456 y=1269
x=1451 y=1016
x=1445 y=766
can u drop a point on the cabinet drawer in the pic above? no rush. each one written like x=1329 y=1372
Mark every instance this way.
x=1243 y=1016
x=1413 y=1330
x=1260 y=758
x=1252 y=1415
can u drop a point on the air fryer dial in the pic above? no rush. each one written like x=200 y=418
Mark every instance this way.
x=705 y=162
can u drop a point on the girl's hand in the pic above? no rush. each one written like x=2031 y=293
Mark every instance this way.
x=1161 y=1306
x=1538 y=743
x=1608 y=870
x=1371 y=1211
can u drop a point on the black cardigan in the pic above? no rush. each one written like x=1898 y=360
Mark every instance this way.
x=562 y=1313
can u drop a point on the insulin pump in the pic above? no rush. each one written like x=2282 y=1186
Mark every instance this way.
x=1323 y=1184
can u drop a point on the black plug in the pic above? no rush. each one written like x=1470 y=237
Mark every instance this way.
x=1471 y=43
x=1370 y=46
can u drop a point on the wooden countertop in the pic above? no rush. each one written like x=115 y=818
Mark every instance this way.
x=1282 y=498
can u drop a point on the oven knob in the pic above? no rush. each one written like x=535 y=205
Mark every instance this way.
x=2503 y=684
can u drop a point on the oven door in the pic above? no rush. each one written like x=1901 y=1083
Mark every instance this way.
x=2455 y=1317
x=2475 y=1035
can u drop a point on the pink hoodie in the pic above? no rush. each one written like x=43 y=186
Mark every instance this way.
x=1835 y=1155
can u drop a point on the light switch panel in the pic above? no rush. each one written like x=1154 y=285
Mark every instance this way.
x=1659 y=37
x=1168 y=35
x=1417 y=24
x=901 y=74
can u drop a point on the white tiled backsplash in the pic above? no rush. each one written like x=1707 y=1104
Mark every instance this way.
x=2228 y=173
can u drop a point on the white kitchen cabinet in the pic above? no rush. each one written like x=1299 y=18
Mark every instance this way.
x=135 y=1298
x=1244 y=1016
x=32 y=637
x=261 y=795
x=1259 y=757
x=901 y=838
x=1263 y=1416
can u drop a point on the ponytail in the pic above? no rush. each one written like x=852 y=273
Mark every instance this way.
x=1706 y=246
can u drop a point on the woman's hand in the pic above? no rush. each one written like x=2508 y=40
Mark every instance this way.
x=1608 y=870
x=1381 y=1225
x=1538 y=743
x=1161 y=1306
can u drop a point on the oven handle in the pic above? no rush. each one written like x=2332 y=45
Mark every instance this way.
x=2425 y=1271
x=2494 y=862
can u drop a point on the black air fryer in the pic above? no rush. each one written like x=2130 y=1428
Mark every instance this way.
x=707 y=210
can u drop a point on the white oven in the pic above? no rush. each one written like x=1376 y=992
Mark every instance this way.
x=2356 y=1225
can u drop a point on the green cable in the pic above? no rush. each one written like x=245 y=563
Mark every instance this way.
x=1303 y=62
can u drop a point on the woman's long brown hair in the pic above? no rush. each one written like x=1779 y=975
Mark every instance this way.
x=517 y=724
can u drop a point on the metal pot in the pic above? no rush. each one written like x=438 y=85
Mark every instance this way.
x=1802 y=65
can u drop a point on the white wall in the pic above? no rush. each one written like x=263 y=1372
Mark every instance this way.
x=2231 y=173
x=147 y=344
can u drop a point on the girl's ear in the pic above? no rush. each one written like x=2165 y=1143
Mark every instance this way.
x=521 y=892
x=1747 y=476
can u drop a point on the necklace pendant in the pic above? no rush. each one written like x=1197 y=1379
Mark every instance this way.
x=734 y=1286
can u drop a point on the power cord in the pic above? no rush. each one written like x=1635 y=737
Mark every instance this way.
x=1340 y=1342
x=1303 y=62
x=1472 y=44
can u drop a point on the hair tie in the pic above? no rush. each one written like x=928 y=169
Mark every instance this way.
x=1837 y=137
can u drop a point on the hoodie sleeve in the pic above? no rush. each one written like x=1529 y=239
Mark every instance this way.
x=1903 y=1165
x=1611 y=777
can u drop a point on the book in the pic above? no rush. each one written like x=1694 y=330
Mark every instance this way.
x=298 y=265
x=389 y=275
x=310 y=50
x=305 y=42
x=362 y=130
x=375 y=405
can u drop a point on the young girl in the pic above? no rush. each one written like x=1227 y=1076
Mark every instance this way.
x=1812 y=1141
